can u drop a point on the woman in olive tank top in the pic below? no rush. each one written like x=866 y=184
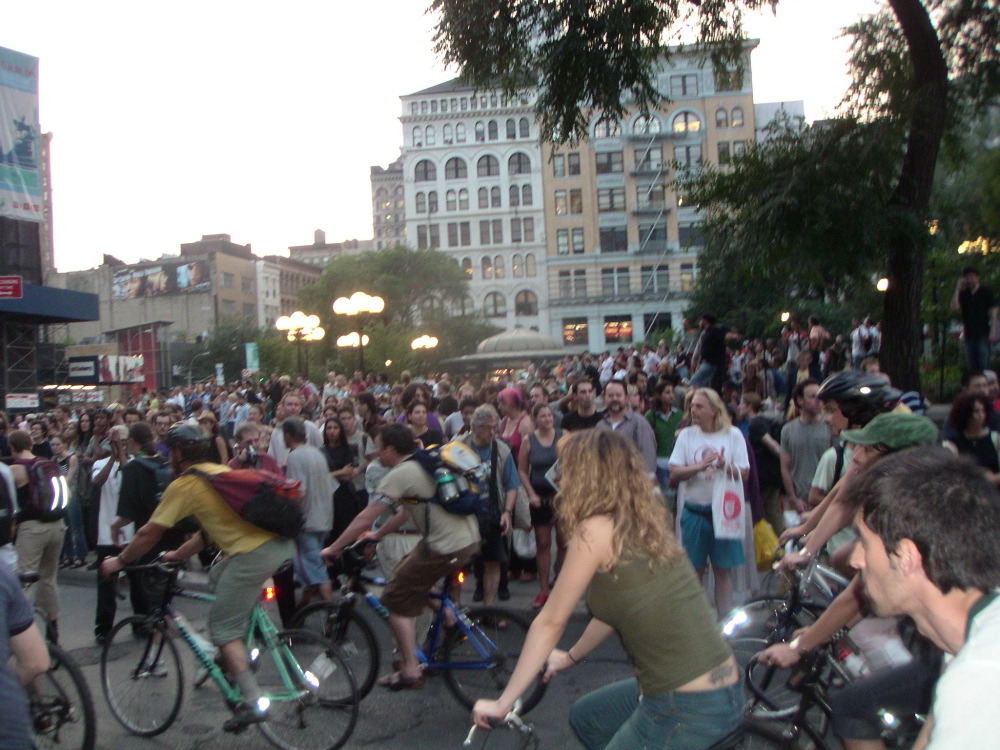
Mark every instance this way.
x=639 y=584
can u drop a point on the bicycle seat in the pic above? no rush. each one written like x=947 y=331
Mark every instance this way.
x=28 y=578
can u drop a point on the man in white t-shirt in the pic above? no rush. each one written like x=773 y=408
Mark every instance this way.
x=929 y=548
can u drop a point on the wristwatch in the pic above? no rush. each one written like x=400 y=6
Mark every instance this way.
x=796 y=645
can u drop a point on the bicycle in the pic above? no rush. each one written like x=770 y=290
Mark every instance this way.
x=476 y=656
x=817 y=583
x=509 y=732
x=62 y=709
x=309 y=690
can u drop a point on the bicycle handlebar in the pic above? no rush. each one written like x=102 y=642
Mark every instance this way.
x=513 y=719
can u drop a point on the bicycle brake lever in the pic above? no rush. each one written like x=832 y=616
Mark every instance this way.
x=468 y=737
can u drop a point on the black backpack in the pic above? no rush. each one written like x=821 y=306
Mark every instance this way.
x=162 y=473
x=49 y=493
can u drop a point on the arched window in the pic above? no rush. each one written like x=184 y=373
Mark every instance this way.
x=511 y=130
x=432 y=202
x=737 y=117
x=455 y=169
x=606 y=128
x=484 y=198
x=467 y=266
x=523 y=127
x=480 y=132
x=526 y=197
x=526 y=303
x=686 y=122
x=446 y=134
x=517 y=266
x=515 y=196
x=460 y=132
x=418 y=137
x=721 y=118
x=381 y=195
x=495 y=306
x=529 y=265
x=647 y=125
x=518 y=163
x=492 y=132
x=421 y=203
x=494 y=197
x=498 y=267
x=466 y=306
x=450 y=202
x=463 y=200
x=425 y=171
x=488 y=166
x=487 y=267
x=430 y=137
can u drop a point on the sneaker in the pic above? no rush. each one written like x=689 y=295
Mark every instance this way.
x=539 y=601
x=243 y=716
x=157 y=670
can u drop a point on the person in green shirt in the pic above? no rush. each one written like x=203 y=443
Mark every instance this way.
x=665 y=421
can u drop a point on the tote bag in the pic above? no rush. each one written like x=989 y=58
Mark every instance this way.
x=728 y=506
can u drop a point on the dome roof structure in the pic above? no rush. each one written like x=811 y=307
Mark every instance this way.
x=521 y=341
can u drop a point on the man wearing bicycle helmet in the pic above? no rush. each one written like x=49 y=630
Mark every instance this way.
x=252 y=556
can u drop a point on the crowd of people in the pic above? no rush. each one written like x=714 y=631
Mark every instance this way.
x=641 y=439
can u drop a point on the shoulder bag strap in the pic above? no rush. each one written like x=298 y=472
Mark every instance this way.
x=494 y=497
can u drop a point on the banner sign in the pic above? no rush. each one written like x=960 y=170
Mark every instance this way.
x=252 y=356
x=22 y=401
x=20 y=154
x=161 y=279
x=105 y=369
x=11 y=287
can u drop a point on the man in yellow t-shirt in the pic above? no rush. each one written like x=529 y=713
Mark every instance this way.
x=252 y=556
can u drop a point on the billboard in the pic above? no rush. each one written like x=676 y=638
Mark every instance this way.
x=106 y=368
x=20 y=158
x=160 y=280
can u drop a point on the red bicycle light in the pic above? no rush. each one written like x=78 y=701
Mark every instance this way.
x=269 y=593
x=461 y=577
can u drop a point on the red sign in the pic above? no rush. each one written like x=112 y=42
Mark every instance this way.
x=11 y=287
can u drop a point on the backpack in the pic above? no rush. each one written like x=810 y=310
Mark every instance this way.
x=49 y=493
x=462 y=482
x=162 y=473
x=261 y=498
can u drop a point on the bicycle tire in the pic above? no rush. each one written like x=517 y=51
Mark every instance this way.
x=146 y=702
x=356 y=639
x=322 y=717
x=756 y=734
x=781 y=701
x=470 y=684
x=509 y=738
x=62 y=709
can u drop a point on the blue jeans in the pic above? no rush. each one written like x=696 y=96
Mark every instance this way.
x=703 y=375
x=616 y=717
x=75 y=543
x=977 y=353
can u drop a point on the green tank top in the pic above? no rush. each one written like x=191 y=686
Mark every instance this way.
x=663 y=619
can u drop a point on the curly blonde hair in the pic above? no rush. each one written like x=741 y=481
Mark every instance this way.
x=602 y=473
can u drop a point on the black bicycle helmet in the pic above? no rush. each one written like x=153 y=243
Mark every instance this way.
x=185 y=433
x=861 y=396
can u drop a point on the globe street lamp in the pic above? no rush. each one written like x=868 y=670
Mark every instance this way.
x=299 y=327
x=423 y=343
x=354 y=340
x=359 y=304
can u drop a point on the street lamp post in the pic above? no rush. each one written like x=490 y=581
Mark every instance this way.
x=358 y=304
x=355 y=340
x=191 y=363
x=423 y=344
x=299 y=327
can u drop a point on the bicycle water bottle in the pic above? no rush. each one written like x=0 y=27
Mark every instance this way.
x=376 y=604
x=447 y=491
x=852 y=662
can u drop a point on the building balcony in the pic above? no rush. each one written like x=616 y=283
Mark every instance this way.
x=650 y=168
x=649 y=207
x=654 y=247
x=617 y=299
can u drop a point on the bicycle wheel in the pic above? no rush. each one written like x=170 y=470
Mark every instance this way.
x=768 y=617
x=779 y=700
x=470 y=675
x=317 y=716
x=509 y=738
x=62 y=710
x=754 y=734
x=353 y=635
x=142 y=676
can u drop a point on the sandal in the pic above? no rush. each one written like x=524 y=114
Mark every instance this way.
x=539 y=601
x=396 y=681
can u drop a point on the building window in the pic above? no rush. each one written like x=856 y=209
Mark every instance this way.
x=618 y=329
x=611 y=199
x=686 y=122
x=565 y=285
x=530 y=268
x=497 y=225
x=578 y=243
x=495 y=197
x=484 y=198
x=524 y=127
x=690 y=235
x=487 y=267
x=576 y=201
x=651 y=196
x=460 y=131
x=466 y=306
x=488 y=166
x=473 y=102
x=647 y=125
x=526 y=303
x=463 y=200
x=228 y=307
x=728 y=80
x=421 y=203
x=467 y=266
x=721 y=118
x=655 y=279
x=450 y=200
x=614 y=240
x=249 y=311
x=455 y=169
x=723 y=149
x=649 y=159
x=414 y=108
x=495 y=306
x=737 y=117
x=492 y=131
x=607 y=128
x=498 y=267
x=574 y=330
x=687 y=277
x=515 y=196
x=687 y=157
x=246 y=283
x=480 y=132
x=561 y=204
x=609 y=162
x=423 y=108
x=425 y=171
x=429 y=136
x=428 y=236
x=515 y=230
x=434 y=106
x=573 y=163
x=683 y=85
x=529 y=230
x=418 y=137
x=517 y=266
x=615 y=281
x=453 y=234
x=518 y=163
x=432 y=202
x=446 y=135
x=228 y=280
x=511 y=127
x=526 y=195
x=652 y=233
x=562 y=241
x=558 y=165
x=579 y=283
x=739 y=147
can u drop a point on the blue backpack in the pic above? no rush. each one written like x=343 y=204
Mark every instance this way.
x=463 y=487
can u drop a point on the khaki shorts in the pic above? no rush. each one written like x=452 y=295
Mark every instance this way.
x=412 y=580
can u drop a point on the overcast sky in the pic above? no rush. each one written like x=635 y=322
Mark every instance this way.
x=261 y=121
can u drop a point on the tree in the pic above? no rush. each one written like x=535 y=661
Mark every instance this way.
x=602 y=54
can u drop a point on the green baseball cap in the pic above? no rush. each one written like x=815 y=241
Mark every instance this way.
x=894 y=431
